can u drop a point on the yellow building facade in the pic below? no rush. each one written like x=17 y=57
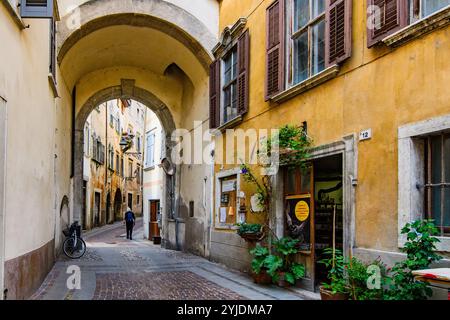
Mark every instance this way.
x=372 y=116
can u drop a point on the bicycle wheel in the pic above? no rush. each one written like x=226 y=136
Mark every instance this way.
x=72 y=251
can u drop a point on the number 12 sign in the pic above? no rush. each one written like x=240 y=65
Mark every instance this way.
x=365 y=135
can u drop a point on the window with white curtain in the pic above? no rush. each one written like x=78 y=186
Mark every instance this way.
x=150 y=150
x=420 y=9
x=307 y=39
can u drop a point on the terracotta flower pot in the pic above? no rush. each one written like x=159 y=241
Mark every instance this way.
x=282 y=281
x=329 y=295
x=262 y=278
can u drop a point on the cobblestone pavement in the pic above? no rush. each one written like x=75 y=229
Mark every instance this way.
x=176 y=285
x=115 y=268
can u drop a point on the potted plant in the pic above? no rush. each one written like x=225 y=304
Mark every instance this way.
x=259 y=265
x=337 y=288
x=283 y=270
x=250 y=231
x=360 y=275
x=420 y=249
x=293 y=145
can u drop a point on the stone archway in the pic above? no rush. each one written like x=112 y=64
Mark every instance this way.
x=126 y=90
x=102 y=43
x=160 y=15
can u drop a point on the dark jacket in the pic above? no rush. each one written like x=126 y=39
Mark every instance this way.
x=130 y=216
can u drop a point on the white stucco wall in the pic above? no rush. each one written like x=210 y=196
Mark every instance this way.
x=3 y=151
x=38 y=137
x=153 y=177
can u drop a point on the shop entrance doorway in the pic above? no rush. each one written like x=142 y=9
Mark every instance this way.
x=313 y=207
x=328 y=214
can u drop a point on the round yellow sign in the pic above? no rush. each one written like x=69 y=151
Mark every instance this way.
x=302 y=211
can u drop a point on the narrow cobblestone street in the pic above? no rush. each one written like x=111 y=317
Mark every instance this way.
x=119 y=269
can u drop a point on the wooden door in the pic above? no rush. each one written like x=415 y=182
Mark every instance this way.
x=96 y=209
x=299 y=217
x=154 y=211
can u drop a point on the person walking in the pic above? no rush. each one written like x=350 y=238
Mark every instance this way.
x=130 y=222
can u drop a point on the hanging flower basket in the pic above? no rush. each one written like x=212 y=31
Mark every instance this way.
x=251 y=232
x=252 y=237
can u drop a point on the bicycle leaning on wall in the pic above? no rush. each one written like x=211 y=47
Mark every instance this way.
x=74 y=247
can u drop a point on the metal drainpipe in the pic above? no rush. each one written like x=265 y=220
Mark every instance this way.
x=106 y=164
x=3 y=177
x=173 y=205
x=176 y=235
x=143 y=150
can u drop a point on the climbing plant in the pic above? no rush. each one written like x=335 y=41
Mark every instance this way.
x=293 y=145
x=420 y=249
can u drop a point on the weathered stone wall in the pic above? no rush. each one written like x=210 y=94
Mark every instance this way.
x=24 y=274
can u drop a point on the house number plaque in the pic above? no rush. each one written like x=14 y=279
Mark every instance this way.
x=365 y=135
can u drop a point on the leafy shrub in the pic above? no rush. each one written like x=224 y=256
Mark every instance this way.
x=420 y=253
x=335 y=265
x=260 y=255
x=357 y=274
x=352 y=276
x=293 y=138
x=286 y=249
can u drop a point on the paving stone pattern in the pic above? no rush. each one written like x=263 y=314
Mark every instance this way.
x=115 y=268
x=177 y=285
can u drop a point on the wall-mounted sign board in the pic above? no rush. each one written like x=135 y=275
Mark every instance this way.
x=298 y=219
x=228 y=185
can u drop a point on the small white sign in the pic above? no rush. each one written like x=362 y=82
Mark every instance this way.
x=228 y=185
x=365 y=135
x=223 y=215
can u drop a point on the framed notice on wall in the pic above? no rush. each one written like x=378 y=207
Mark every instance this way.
x=298 y=219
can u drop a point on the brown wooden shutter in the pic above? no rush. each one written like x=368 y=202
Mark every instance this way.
x=393 y=17
x=243 y=72
x=52 y=67
x=338 y=39
x=214 y=94
x=275 y=33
